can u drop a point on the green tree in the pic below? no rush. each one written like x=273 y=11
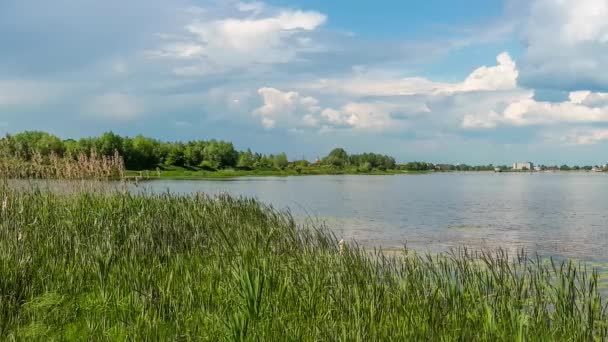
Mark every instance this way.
x=175 y=154
x=144 y=153
x=25 y=144
x=246 y=160
x=365 y=167
x=109 y=143
x=337 y=158
x=193 y=153
x=220 y=154
x=280 y=161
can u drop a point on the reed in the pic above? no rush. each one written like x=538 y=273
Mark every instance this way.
x=118 y=266
x=93 y=166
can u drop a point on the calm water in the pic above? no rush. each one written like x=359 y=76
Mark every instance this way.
x=559 y=214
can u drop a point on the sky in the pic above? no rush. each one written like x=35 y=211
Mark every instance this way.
x=472 y=82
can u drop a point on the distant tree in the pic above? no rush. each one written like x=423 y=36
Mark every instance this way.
x=337 y=158
x=140 y=153
x=280 y=161
x=176 y=155
x=144 y=153
x=246 y=160
x=25 y=144
x=193 y=153
x=108 y=143
x=220 y=154
x=365 y=167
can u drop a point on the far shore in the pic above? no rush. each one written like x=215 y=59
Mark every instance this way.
x=184 y=174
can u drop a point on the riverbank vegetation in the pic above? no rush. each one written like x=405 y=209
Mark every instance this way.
x=118 y=266
x=189 y=159
x=38 y=153
x=84 y=166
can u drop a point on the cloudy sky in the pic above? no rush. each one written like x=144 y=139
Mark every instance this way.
x=489 y=82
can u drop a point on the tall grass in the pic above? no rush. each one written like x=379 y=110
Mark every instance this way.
x=93 y=166
x=95 y=266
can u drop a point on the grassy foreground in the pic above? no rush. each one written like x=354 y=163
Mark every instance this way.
x=92 y=266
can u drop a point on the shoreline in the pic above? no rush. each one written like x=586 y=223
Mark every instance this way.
x=228 y=174
x=231 y=174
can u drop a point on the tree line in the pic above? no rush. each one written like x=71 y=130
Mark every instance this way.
x=144 y=153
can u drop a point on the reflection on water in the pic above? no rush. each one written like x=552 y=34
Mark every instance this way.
x=558 y=214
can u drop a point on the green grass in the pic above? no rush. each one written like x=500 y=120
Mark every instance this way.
x=196 y=173
x=95 y=266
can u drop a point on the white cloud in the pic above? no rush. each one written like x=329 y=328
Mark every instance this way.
x=585 y=20
x=292 y=109
x=566 y=44
x=590 y=99
x=262 y=36
x=285 y=106
x=489 y=97
x=502 y=76
x=578 y=136
x=367 y=116
x=481 y=121
x=528 y=111
x=114 y=106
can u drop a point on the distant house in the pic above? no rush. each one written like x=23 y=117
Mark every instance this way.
x=523 y=166
x=538 y=168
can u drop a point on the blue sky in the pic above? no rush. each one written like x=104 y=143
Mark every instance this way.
x=489 y=82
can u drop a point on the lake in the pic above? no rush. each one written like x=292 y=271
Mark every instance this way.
x=562 y=214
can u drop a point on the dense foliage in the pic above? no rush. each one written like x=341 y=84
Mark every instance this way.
x=99 y=266
x=339 y=158
x=142 y=153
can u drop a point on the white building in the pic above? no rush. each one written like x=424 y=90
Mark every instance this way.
x=523 y=166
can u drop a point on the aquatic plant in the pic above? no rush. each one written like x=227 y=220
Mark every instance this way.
x=118 y=266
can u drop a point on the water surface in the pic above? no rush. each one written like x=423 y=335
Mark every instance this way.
x=557 y=214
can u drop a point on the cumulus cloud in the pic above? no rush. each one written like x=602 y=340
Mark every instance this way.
x=285 y=106
x=487 y=98
x=577 y=136
x=502 y=76
x=255 y=36
x=566 y=44
x=581 y=107
x=292 y=109
x=589 y=98
x=372 y=116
